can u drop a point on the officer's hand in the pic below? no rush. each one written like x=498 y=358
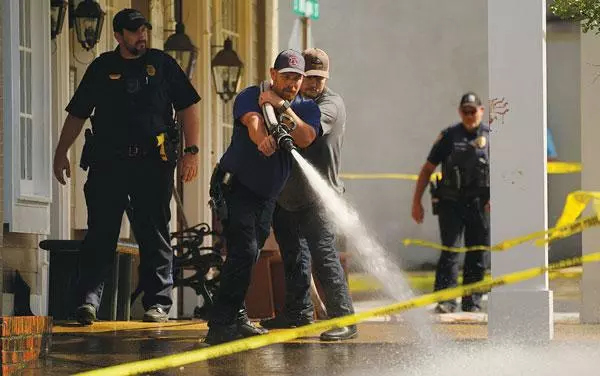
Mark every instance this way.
x=188 y=166
x=267 y=146
x=417 y=212
x=61 y=163
x=269 y=96
x=486 y=207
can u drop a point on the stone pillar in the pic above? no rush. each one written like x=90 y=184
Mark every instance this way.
x=590 y=178
x=517 y=72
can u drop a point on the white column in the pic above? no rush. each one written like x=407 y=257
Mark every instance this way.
x=590 y=178
x=60 y=222
x=196 y=192
x=517 y=72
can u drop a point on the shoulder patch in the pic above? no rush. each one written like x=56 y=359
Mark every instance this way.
x=439 y=138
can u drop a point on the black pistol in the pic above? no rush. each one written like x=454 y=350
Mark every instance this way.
x=86 y=153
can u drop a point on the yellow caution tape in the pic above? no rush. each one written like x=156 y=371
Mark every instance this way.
x=563 y=167
x=575 y=204
x=545 y=236
x=424 y=281
x=553 y=168
x=177 y=360
x=379 y=176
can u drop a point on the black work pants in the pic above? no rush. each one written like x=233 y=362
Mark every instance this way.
x=145 y=183
x=306 y=235
x=468 y=217
x=246 y=230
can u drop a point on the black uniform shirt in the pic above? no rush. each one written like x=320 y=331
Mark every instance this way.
x=460 y=147
x=121 y=91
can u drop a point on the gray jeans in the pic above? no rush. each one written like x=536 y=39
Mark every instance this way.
x=304 y=235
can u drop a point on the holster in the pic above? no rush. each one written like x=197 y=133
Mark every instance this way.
x=435 y=199
x=219 y=182
x=88 y=154
x=169 y=150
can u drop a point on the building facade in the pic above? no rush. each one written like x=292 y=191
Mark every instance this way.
x=39 y=76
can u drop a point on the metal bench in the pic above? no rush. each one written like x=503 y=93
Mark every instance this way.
x=189 y=254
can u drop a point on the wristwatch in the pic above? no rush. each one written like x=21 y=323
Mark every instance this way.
x=289 y=123
x=283 y=108
x=193 y=149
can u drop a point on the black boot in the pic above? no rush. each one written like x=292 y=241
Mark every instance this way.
x=245 y=326
x=218 y=334
x=340 y=334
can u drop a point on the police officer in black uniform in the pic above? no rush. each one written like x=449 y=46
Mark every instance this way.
x=460 y=198
x=133 y=92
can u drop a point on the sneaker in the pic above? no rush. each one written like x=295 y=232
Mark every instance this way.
x=340 y=334
x=281 y=322
x=471 y=308
x=445 y=307
x=85 y=314
x=218 y=334
x=156 y=314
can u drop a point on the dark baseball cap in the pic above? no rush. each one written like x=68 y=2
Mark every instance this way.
x=129 y=19
x=289 y=61
x=317 y=62
x=470 y=99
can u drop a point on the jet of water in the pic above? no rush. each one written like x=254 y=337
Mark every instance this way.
x=372 y=255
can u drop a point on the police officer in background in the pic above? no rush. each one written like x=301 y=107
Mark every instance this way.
x=247 y=180
x=131 y=155
x=301 y=228
x=460 y=199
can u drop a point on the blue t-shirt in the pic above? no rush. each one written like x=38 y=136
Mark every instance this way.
x=263 y=175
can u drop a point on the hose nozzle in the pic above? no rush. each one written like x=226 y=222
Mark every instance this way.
x=283 y=139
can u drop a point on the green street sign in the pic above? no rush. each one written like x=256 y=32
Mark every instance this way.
x=307 y=8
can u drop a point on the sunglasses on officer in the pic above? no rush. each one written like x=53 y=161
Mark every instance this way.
x=468 y=111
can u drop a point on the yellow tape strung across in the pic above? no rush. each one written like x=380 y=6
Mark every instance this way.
x=566 y=225
x=553 y=168
x=199 y=355
x=425 y=282
x=544 y=236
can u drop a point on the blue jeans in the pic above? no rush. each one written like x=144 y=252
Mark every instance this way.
x=304 y=235
x=246 y=230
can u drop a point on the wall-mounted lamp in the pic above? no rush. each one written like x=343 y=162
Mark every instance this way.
x=89 y=19
x=227 y=71
x=58 y=10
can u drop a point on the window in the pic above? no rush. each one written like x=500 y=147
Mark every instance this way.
x=230 y=29
x=27 y=101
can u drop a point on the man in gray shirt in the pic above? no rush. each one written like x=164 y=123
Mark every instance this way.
x=301 y=227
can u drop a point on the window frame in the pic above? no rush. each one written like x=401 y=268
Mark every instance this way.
x=27 y=202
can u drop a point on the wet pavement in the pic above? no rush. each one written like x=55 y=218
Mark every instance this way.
x=389 y=345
